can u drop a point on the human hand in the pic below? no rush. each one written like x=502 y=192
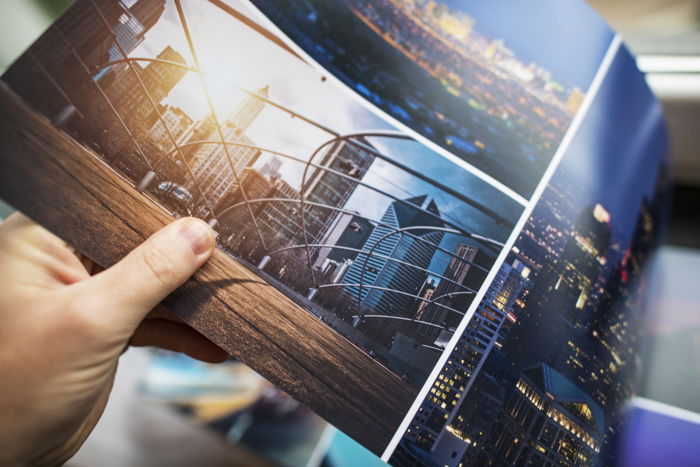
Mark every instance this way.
x=63 y=330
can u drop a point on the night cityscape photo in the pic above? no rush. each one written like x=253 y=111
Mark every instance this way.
x=437 y=67
x=543 y=370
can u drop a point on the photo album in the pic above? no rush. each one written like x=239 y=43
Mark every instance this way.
x=433 y=217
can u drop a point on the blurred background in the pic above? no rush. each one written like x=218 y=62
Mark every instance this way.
x=167 y=409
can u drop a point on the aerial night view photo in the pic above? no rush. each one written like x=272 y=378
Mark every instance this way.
x=472 y=77
x=368 y=230
x=546 y=364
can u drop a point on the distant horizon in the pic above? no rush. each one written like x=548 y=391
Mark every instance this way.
x=550 y=37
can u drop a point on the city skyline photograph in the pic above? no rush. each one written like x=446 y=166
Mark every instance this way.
x=403 y=242
x=446 y=72
x=356 y=224
x=548 y=361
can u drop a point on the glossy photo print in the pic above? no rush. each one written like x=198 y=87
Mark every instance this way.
x=431 y=216
x=494 y=83
x=544 y=369
x=358 y=225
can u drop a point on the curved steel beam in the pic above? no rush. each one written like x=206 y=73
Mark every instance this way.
x=193 y=51
x=390 y=290
x=151 y=60
x=476 y=205
x=153 y=104
x=303 y=202
x=389 y=134
x=344 y=211
x=396 y=199
x=400 y=231
x=400 y=318
x=379 y=255
x=332 y=171
x=103 y=95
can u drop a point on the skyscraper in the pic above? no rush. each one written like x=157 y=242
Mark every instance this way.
x=275 y=219
x=129 y=97
x=349 y=231
x=483 y=333
x=558 y=310
x=463 y=277
x=133 y=24
x=148 y=12
x=331 y=189
x=177 y=121
x=271 y=168
x=214 y=171
x=384 y=276
x=582 y=258
x=348 y=162
x=547 y=420
x=66 y=57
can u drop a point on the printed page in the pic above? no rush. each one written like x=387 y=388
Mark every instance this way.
x=432 y=217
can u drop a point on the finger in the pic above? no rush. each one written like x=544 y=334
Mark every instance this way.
x=44 y=257
x=131 y=288
x=179 y=338
x=16 y=219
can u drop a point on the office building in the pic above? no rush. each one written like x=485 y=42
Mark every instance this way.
x=410 y=255
x=217 y=168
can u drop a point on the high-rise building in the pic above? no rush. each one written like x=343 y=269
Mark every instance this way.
x=579 y=267
x=215 y=165
x=276 y=220
x=133 y=24
x=51 y=61
x=347 y=161
x=177 y=121
x=130 y=98
x=462 y=279
x=427 y=292
x=331 y=189
x=559 y=311
x=381 y=277
x=463 y=438
x=350 y=231
x=87 y=28
x=201 y=130
x=484 y=332
x=148 y=12
x=547 y=420
x=271 y=168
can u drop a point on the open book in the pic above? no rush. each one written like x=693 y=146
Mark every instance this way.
x=433 y=216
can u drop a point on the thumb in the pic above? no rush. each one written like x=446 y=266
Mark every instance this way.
x=142 y=279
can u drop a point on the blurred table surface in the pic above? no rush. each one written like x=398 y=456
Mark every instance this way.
x=134 y=432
